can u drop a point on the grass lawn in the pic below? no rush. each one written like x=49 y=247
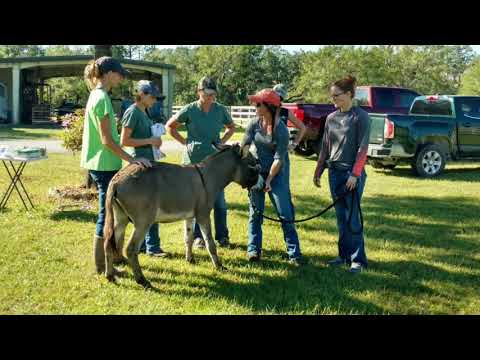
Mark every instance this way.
x=29 y=132
x=26 y=132
x=422 y=241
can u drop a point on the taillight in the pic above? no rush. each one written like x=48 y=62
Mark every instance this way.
x=388 y=129
x=299 y=114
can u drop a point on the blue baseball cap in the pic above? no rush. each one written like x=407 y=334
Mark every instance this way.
x=149 y=87
x=107 y=63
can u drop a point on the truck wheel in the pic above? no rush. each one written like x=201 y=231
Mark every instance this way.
x=429 y=162
x=305 y=148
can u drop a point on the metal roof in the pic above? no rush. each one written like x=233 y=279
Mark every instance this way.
x=76 y=58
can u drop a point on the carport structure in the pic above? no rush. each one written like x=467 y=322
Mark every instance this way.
x=21 y=74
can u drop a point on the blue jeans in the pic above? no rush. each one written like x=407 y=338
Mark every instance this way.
x=102 y=179
x=281 y=200
x=351 y=247
x=151 y=244
x=219 y=217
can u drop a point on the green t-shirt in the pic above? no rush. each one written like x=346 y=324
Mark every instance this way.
x=141 y=126
x=202 y=129
x=96 y=156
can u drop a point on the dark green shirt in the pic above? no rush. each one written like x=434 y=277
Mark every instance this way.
x=141 y=126
x=202 y=129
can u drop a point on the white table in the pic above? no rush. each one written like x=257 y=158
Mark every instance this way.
x=16 y=178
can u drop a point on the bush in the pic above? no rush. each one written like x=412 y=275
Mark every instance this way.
x=73 y=130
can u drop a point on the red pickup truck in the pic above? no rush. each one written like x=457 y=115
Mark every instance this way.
x=373 y=99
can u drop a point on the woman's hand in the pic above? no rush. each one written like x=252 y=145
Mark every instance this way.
x=268 y=186
x=156 y=141
x=351 y=182
x=145 y=163
x=316 y=180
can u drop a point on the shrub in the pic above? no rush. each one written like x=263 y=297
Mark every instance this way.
x=73 y=130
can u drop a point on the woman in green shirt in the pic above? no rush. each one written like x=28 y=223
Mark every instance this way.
x=137 y=134
x=101 y=152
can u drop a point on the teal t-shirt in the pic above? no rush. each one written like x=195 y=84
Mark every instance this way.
x=141 y=126
x=95 y=155
x=202 y=129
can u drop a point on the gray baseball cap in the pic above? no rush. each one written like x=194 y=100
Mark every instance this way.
x=107 y=63
x=208 y=85
x=281 y=90
x=149 y=87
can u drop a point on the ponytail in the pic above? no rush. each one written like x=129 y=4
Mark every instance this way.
x=92 y=74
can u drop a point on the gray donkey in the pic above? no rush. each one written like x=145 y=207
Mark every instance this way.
x=167 y=193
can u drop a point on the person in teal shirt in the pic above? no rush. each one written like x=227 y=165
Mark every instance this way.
x=101 y=153
x=204 y=120
x=137 y=135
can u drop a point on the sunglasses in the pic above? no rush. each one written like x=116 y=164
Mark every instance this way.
x=258 y=105
x=334 y=96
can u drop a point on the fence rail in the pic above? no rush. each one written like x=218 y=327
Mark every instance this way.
x=241 y=115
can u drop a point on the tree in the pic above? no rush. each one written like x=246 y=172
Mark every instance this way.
x=470 y=81
x=7 y=51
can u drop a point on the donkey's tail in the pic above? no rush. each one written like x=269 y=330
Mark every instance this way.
x=108 y=228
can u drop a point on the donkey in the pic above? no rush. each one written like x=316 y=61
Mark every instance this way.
x=167 y=193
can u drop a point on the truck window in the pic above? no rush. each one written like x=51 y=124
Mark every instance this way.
x=469 y=107
x=394 y=98
x=429 y=107
x=361 y=95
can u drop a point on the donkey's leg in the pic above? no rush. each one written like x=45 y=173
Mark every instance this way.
x=133 y=247
x=119 y=226
x=189 y=240
x=206 y=227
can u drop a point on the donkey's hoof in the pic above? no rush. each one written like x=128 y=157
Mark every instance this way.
x=111 y=278
x=120 y=261
x=221 y=268
x=145 y=283
x=119 y=273
x=192 y=261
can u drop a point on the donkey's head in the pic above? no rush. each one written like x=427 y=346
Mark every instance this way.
x=247 y=167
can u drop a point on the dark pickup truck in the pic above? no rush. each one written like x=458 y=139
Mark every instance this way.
x=436 y=129
x=373 y=99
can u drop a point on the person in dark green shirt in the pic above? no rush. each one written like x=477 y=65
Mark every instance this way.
x=137 y=135
x=204 y=119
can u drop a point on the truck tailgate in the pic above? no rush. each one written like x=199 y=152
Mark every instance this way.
x=377 y=123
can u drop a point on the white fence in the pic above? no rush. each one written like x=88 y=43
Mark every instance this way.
x=241 y=115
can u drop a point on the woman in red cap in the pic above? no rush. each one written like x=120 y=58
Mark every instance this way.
x=271 y=138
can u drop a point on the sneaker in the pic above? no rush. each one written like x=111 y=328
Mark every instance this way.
x=199 y=243
x=298 y=261
x=253 y=257
x=355 y=268
x=159 y=254
x=224 y=242
x=337 y=261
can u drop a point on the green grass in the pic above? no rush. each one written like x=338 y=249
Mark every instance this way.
x=26 y=132
x=422 y=241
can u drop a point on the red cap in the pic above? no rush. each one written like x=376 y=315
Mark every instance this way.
x=268 y=96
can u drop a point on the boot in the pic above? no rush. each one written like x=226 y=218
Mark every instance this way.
x=99 y=254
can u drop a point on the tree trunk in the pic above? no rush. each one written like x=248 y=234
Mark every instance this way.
x=102 y=50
